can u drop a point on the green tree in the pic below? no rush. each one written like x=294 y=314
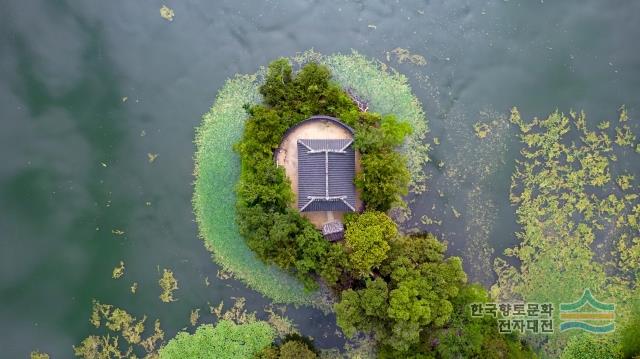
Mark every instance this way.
x=363 y=309
x=224 y=341
x=294 y=349
x=415 y=293
x=293 y=346
x=367 y=238
x=468 y=337
x=376 y=134
x=630 y=337
x=384 y=179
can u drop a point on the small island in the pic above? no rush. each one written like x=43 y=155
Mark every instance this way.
x=319 y=175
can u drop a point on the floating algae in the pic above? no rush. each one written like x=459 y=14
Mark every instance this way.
x=217 y=311
x=38 y=355
x=168 y=284
x=119 y=324
x=404 y=55
x=194 y=316
x=466 y=182
x=481 y=129
x=167 y=13
x=118 y=271
x=282 y=325
x=238 y=313
x=134 y=288
x=568 y=203
x=152 y=157
x=455 y=212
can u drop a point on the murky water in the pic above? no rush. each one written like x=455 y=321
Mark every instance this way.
x=89 y=89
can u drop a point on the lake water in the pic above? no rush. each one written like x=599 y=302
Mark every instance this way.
x=74 y=152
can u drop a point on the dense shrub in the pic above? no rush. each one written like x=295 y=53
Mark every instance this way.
x=585 y=346
x=468 y=337
x=367 y=240
x=384 y=178
x=296 y=350
x=630 y=337
x=293 y=346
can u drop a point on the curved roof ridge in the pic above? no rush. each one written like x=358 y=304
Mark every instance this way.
x=315 y=118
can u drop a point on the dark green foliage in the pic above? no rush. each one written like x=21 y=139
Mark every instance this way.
x=418 y=307
x=630 y=340
x=265 y=185
x=467 y=337
x=296 y=350
x=293 y=346
x=383 y=180
x=414 y=294
x=290 y=241
x=309 y=92
x=385 y=177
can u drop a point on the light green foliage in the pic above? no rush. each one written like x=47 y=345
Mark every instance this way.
x=356 y=308
x=570 y=200
x=375 y=133
x=367 y=240
x=38 y=355
x=217 y=171
x=586 y=346
x=224 y=341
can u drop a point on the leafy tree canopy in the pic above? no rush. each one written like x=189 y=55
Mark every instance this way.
x=367 y=240
x=420 y=285
x=586 y=346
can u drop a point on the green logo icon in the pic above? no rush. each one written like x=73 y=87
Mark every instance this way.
x=588 y=314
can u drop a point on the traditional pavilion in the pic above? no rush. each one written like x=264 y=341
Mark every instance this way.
x=326 y=169
x=320 y=160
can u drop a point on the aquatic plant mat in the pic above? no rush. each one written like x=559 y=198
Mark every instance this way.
x=579 y=211
x=217 y=167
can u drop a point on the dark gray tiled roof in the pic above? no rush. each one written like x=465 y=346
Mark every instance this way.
x=325 y=175
x=333 y=231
